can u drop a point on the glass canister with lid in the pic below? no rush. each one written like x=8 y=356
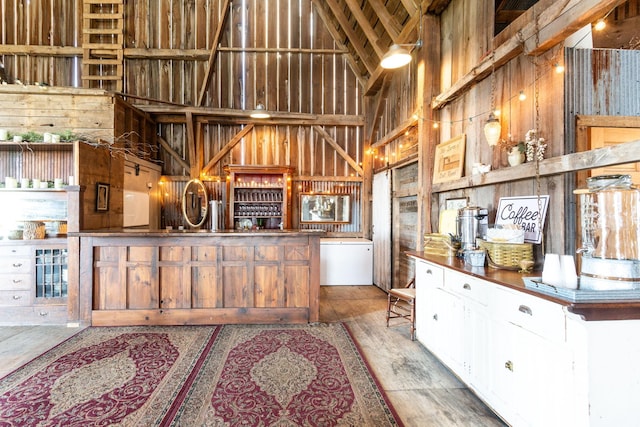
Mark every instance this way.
x=610 y=233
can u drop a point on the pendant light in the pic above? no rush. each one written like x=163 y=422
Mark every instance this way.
x=492 y=128
x=397 y=56
x=260 y=112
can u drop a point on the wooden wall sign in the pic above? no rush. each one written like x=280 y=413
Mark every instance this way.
x=449 y=160
x=526 y=212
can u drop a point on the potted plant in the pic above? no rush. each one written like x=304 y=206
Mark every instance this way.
x=515 y=151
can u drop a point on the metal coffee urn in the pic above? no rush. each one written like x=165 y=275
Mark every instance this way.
x=473 y=223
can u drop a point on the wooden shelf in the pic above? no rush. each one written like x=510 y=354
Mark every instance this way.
x=627 y=152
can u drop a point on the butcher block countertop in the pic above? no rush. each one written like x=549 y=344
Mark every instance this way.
x=590 y=311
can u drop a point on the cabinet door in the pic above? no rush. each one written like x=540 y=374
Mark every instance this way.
x=449 y=331
x=428 y=278
x=476 y=336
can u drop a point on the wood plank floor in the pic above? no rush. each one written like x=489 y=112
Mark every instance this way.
x=422 y=390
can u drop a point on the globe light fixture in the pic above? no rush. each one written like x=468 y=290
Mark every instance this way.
x=492 y=130
x=260 y=112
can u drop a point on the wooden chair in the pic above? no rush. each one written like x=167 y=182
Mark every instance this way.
x=401 y=303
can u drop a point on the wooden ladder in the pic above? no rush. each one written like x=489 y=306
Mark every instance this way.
x=103 y=44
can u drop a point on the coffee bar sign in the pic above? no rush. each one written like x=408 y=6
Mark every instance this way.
x=527 y=213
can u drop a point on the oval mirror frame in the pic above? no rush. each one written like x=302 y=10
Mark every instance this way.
x=195 y=203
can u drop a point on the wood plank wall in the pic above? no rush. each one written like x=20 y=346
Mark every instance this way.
x=42 y=23
x=462 y=47
x=274 y=52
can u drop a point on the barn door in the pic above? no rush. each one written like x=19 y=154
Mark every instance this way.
x=381 y=221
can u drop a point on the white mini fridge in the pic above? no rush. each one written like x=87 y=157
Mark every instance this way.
x=346 y=261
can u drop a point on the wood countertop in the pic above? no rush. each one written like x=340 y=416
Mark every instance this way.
x=146 y=232
x=590 y=311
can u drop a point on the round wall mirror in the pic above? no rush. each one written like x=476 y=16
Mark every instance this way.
x=194 y=203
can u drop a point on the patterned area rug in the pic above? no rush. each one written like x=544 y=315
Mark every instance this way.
x=258 y=375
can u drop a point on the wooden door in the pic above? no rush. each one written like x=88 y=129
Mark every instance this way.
x=381 y=230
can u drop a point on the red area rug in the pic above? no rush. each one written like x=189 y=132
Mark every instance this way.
x=258 y=375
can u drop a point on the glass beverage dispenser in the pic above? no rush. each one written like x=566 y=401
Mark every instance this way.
x=610 y=233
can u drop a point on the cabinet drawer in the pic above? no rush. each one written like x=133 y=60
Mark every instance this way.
x=15 y=298
x=21 y=251
x=536 y=315
x=15 y=282
x=15 y=265
x=467 y=286
x=429 y=274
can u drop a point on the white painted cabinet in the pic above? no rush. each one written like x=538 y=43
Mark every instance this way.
x=528 y=358
x=451 y=321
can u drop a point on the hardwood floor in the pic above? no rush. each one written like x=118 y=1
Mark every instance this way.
x=422 y=390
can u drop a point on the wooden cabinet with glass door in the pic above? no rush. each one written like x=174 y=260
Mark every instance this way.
x=259 y=197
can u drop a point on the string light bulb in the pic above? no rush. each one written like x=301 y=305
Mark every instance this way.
x=600 y=25
x=522 y=96
x=559 y=68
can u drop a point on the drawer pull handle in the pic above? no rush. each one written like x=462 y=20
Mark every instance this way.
x=435 y=317
x=44 y=313
x=17 y=297
x=509 y=365
x=466 y=286
x=429 y=271
x=17 y=264
x=17 y=280
x=526 y=310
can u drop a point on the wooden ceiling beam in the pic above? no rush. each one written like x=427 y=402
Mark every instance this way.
x=351 y=35
x=380 y=104
x=410 y=7
x=214 y=51
x=366 y=27
x=389 y=22
x=359 y=68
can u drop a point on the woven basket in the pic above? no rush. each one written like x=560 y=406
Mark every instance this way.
x=34 y=230
x=440 y=244
x=507 y=255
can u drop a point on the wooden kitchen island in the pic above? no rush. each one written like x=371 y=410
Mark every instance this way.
x=161 y=277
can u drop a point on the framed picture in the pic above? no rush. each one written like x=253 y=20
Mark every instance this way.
x=102 y=196
x=456 y=203
x=316 y=208
x=449 y=160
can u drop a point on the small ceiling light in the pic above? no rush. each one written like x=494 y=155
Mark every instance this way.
x=600 y=25
x=260 y=112
x=559 y=68
x=492 y=130
x=522 y=96
x=396 y=57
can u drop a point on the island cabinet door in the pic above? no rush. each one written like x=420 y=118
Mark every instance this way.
x=174 y=270
x=206 y=286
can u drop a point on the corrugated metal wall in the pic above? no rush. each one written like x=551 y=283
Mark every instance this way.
x=597 y=82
